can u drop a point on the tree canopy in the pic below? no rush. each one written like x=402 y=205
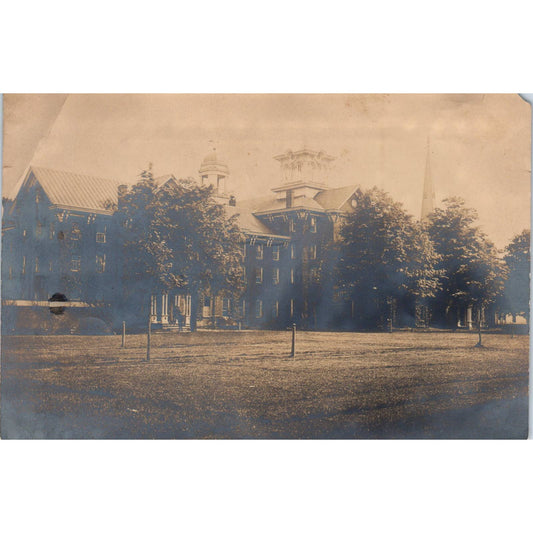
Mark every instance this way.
x=472 y=273
x=178 y=237
x=384 y=254
x=516 y=290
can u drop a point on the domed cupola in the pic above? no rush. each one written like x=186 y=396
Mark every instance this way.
x=214 y=172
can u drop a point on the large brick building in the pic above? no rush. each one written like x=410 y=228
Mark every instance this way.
x=59 y=238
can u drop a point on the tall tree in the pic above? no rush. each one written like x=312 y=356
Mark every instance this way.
x=385 y=259
x=516 y=291
x=472 y=273
x=200 y=248
x=177 y=237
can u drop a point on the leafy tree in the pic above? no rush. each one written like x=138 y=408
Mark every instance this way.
x=472 y=273
x=385 y=259
x=516 y=290
x=198 y=248
x=177 y=237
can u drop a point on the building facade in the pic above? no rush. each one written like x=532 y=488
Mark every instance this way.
x=59 y=239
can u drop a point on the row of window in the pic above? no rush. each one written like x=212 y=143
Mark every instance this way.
x=75 y=264
x=312 y=225
x=274 y=310
x=259 y=252
x=75 y=233
x=310 y=252
x=311 y=274
x=258 y=308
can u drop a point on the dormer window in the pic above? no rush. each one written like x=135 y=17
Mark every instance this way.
x=313 y=225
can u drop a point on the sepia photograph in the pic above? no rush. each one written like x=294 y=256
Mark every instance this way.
x=265 y=266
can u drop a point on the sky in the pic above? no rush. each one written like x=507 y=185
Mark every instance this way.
x=479 y=145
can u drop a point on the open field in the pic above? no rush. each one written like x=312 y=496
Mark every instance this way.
x=244 y=385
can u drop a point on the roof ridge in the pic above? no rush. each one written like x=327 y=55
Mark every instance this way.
x=100 y=178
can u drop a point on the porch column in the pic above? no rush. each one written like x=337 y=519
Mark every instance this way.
x=469 y=317
x=153 y=308
x=164 y=309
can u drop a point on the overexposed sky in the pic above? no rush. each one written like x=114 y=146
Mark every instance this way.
x=479 y=144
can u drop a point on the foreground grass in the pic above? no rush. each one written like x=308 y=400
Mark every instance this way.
x=244 y=385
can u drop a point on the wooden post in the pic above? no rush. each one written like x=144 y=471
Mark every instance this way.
x=149 y=339
x=123 y=334
x=293 y=336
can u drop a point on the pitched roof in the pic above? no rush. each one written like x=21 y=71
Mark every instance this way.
x=77 y=190
x=270 y=203
x=163 y=180
x=333 y=199
x=330 y=199
x=248 y=223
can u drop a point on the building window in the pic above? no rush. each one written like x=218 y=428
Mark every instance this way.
x=75 y=263
x=293 y=252
x=275 y=253
x=51 y=231
x=100 y=263
x=225 y=307
x=259 y=251
x=100 y=237
x=244 y=308
x=292 y=275
x=258 y=308
x=292 y=308
x=39 y=229
x=36 y=264
x=275 y=309
x=275 y=276
x=313 y=225
x=312 y=251
x=75 y=233
x=259 y=275
x=51 y=266
x=23 y=264
x=291 y=225
x=207 y=301
x=24 y=233
x=244 y=250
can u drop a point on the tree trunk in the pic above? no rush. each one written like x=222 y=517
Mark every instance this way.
x=479 y=327
x=194 y=308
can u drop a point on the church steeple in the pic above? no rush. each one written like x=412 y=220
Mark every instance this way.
x=428 y=196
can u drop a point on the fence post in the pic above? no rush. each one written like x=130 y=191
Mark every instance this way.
x=148 y=340
x=123 y=334
x=293 y=336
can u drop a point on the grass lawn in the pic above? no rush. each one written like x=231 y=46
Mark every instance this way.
x=244 y=385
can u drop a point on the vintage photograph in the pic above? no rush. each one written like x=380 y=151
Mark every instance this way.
x=265 y=266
